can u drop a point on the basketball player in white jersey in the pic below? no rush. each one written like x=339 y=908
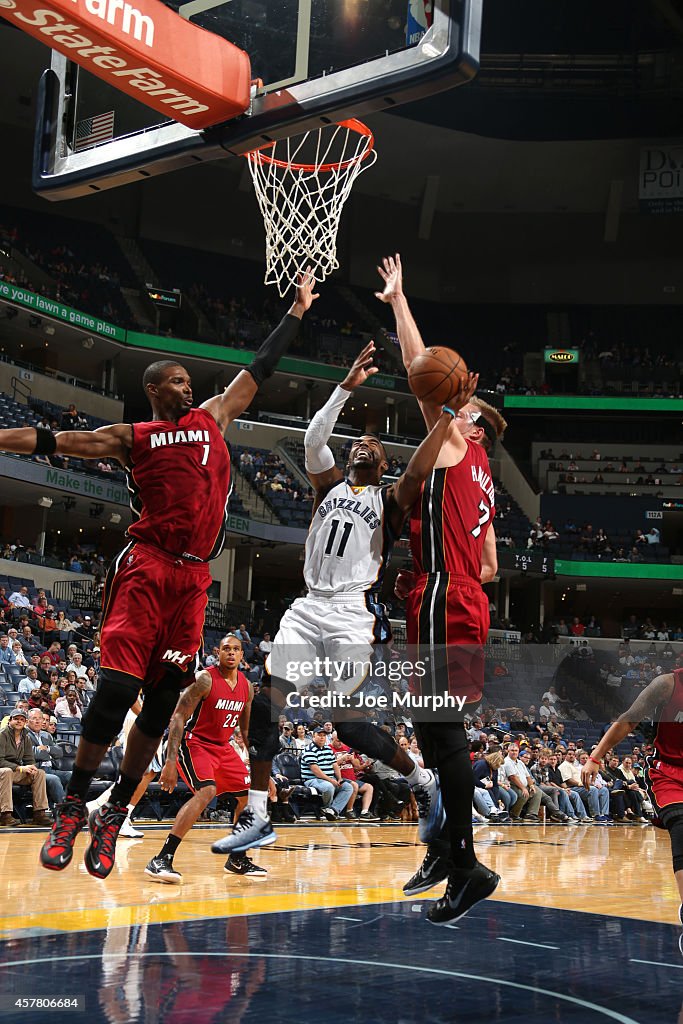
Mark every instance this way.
x=355 y=521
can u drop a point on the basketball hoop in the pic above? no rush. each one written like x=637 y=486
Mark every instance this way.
x=302 y=202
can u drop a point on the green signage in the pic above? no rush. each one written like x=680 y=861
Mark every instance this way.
x=619 y=570
x=593 y=403
x=561 y=356
x=57 y=311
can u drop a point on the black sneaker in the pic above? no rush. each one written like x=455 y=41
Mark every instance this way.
x=58 y=848
x=104 y=824
x=431 y=871
x=161 y=870
x=368 y=816
x=463 y=892
x=351 y=816
x=239 y=864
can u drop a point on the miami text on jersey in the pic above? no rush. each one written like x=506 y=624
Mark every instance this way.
x=179 y=437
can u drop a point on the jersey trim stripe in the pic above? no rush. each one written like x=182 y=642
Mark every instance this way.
x=188 y=769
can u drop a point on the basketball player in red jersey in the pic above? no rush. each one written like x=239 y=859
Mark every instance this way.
x=662 y=702
x=178 y=471
x=199 y=748
x=454 y=552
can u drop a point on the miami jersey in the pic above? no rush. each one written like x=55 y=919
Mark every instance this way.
x=349 y=541
x=216 y=716
x=668 y=744
x=179 y=482
x=449 y=521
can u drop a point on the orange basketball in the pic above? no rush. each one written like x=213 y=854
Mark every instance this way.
x=437 y=375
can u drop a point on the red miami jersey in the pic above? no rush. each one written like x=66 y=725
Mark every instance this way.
x=449 y=521
x=214 y=719
x=668 y=745
x=179 y=482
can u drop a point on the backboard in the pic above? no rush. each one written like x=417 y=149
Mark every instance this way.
x=316 y=61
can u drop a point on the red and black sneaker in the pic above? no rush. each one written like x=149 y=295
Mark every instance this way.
x=58 y=848
x=105 y=824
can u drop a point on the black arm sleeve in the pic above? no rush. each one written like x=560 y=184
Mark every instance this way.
x=273 y=348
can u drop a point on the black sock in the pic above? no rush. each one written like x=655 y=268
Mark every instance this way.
x=170 y=846
x=123 y=789
x=79 y=783
x=457 y=788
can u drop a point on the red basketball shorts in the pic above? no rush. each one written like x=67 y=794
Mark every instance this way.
x=664 y=784
x=448 y=619
x=153 y=613
x=202 y=764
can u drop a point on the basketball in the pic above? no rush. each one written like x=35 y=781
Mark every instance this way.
x=437 y=375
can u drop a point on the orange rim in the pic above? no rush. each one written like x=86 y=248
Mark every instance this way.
x=352 y=124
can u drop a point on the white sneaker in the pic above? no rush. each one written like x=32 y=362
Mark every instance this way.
x=129 y=832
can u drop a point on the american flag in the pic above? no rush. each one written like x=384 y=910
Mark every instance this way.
x=93 y=130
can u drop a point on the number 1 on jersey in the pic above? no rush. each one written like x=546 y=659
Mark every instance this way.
x=205 y=457
x=343 y=541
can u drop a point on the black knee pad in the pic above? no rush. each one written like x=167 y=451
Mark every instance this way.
x=264 y=734
x=115 y=695
x=158 y=706
x=672 y=820
x=368 y=739
x=439 y=741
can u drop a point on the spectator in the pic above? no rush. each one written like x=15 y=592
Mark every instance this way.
x=652 y=536
x=19 y=656
x=266 y=645
x=349 y=764
x=634 y=794
x=213 y=658
x=577 y=627
x=528 y=797
x=29 y=682
x=319 y=771
x=17 y=765
x=287 y=741
x=302 y=738
x=43 y=745
x=597 y=799
x=7 y=656
x=69 y=705
x=41 y=698
x=487 y=793
x=554 y=777
x=20 y=599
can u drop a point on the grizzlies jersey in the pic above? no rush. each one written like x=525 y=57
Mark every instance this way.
x=349 y=541
x=179 y=482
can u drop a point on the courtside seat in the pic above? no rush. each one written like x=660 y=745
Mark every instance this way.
x=300 y=796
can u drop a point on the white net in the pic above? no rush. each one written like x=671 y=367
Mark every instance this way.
x=301 y=184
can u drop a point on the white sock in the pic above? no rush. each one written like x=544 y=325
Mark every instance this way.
x=100 y=800
x=258 y=801
x=418 y=777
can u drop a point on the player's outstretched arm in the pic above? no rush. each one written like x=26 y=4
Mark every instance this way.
x=111 y=442
x=187 y=702
x=320 y=464
x=409 y=336
x=239 y=394
x=644 y=706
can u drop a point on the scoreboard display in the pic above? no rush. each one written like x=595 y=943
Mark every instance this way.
x=531 y=563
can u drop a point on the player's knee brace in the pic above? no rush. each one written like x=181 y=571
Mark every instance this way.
x=264 y=734
x=368 y=739
x=674 y=825
x=157 y=707
x=115 y=695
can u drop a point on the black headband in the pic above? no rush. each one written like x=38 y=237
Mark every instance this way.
x=488 y=428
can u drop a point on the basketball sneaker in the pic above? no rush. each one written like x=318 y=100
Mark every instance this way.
x=104 y=824
x=433 y=869
x=239 y=864
x=431 y=814
x=129 y=831
x=161 y=870
x=58 y=848
x=368 y=816
x=464 y=890
x=249 y=831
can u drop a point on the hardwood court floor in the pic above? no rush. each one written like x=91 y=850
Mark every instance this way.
x=623 y=871
x=581 y=927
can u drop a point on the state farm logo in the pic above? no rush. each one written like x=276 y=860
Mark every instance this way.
x=131 y=22
x=561 y=357
x=146 y=50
